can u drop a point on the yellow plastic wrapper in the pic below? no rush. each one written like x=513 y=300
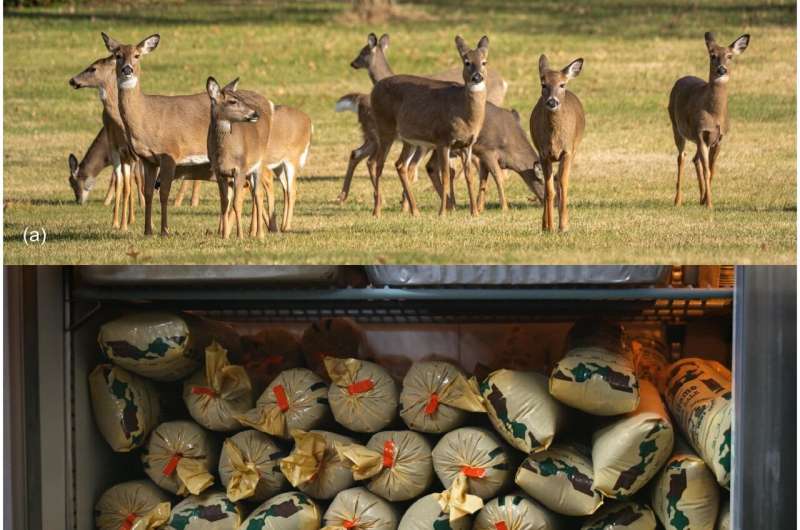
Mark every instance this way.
x=362 y=395
x=650 y=359
x=296 y=399
x=180 y=456
x=249 y=466
x=286 y=511
x=359 y=509
x=134 y=505
x=698 y=394
x=561 y=479
x=314 y=467
x=397 y=464
x=162 y=346
x=476 y=454
x=332 y=337
x=629 y=451
x=622 y=516
x=515 y=512
x=208 y=511
x=427 y=513
x=125 y=406
x=437 y=397
x=522 y=410
x=218 y=392
x=685 y=494
x=724 y=519
x=597 y=374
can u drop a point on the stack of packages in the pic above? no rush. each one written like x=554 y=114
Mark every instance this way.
x=288 y=433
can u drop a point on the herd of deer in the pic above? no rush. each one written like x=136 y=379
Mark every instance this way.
x=240 y=139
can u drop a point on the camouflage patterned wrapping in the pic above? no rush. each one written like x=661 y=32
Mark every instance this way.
x=287 y=511
x=427 y=514
x=314 y=467
x=398 y=464
x=622 y=516
x=180 y=457
x=362 y=395
x=629 y=451
x=209 y=511
x=125 y=406
x=218 y=392
x=561 y=479
x=522 y=410
x=699 y=396
x=436 y=397
x=477 y=454
x=724 y=519
x=513 y=512
x=359 y=509
x=332 y=337
x=296 y=399
x=685 y=495
x=249 y=466
x=136 y=504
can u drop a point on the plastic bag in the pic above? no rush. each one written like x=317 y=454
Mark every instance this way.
x=180 y=456
x=359 y=509
x=296 y=399
x=596 y=375
x=362 y=395
x=561 y=479
x=209 y=511
x=267 y=353
x=515 y=511
x=437 y=397
x=427 y=513
x=628 y=452
x=478 y=455
x=218 y=392
x=650 y=356
x=398 y=464
x=622 y=516
x=314 y=467
x=287 y=511
x=724 y=519
x=332 y=337
x=125 y=406
x=522 y=410
x=136 y=504
x=249 y=466
x=698 y=394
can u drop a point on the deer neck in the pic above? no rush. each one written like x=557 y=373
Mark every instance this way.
x=109 y=98
x=475 y=103
x=717 y=99
x=379 y=68
x=221 y=133
x=523 y=160
x=132 y=109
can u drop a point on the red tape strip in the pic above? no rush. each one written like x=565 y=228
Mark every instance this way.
x=388 y=453
x=349 y=524
x=473 y=472
x=359 y=387
x=280 y=396
x=169 y=469
x=433 y=404
x=500 y=525
x=128 y=523
x=204 y=390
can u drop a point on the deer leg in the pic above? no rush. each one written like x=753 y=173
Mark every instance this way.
x=238 y=201
x=116 y=165
x=257 y=198
x=195 y=193
x=549 y=196
x=356 y=156
x=451 y=201
x=165 y=175
x=127 y=202
x=110 y=193
x=563 y=186
x=432 y=169
x=290 y=190
x=713 y=153
x=444 y=170
x=499 y=181
x=138 y=173
x=703 y=151
x=181 y=191
x=483 y=179
x=384 y=145
x=223 y=205
x=149 y=189
x=466 y=161
x=401 y=165
x=681 y=160
x=371 y=170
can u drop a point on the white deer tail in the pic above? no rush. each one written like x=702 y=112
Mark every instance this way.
x=348 y=102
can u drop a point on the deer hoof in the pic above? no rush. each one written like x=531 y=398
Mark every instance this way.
x=341 y=198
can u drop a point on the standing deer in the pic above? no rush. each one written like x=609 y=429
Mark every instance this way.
x=557 y=123
x=698 y=111
x=433 y=114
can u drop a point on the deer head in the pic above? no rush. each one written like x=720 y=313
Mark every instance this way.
x=554 y=82
x=127 y=58
x=226 y=105
x=474 y=72
x=81 y=184
x=96 y=75
x=721 y=57
x=368 y=53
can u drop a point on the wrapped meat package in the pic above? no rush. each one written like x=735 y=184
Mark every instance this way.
x=622 y=516
x=296 y=399
x=561 y=479
x=441 y=511
x=362 y=395
x=292 y=510
x=685 y=494
x=516 y=511
x=137 y=502
x=597 y=374
x=208 y=511
x=628 y=452
x=698 y=394
x=398 y=464
x=249 y=466
x=314 y=467
x=218 y=392
x=359 y=509
x=162 y=346
x=437 y=397
x=125 y=406
x=522 y=410
x=332 y=337
x=267 y=353
x=476 y=454
x=180 y=456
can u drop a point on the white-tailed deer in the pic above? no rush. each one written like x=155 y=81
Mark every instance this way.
x=433 y=114
x=83 y=175
x=184 y=188
x=359 y=103
x=557 y=124
x=698 y=111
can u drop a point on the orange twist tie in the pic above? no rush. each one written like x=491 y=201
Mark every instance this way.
x=204 y=390
x=433 y=404
x=349 y=524
x=169 y=469
x=473 y=472
x=365 y=385
x=500 y=525
x=388 y=453
x=280 y=395
x=128 y=524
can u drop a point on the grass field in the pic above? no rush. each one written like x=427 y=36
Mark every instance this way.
x=298 y=53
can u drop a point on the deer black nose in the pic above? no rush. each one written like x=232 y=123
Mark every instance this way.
x=353 y=65
x=477 y=77
x=73 y=83
x=127 y=70
x=721 y=70
x=551 y=103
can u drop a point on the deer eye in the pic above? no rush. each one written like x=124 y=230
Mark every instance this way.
x=136 y=56
x=561 y=85
x=483 y=63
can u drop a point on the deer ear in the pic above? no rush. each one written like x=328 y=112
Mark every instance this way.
x=149 y=44
x=111 y=44
x=233 y=86
x=483 y=45
x=372 y=40
x=573 y=69
x=710 y=40
x=73 y=164
x=384 y=41
x=544 y=64
x=740 y=44
x=461 y=46
x=212 y=87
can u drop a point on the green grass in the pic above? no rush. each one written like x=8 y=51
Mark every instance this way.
x=297 y=53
